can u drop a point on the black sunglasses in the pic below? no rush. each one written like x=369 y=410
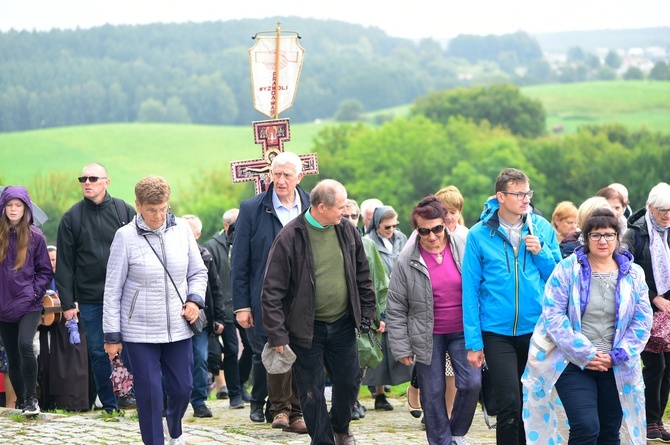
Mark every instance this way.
x=83 y=179
x=436 y=230
x=392 y=226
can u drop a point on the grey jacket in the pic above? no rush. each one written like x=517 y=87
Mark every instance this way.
x=409 y=305
x=140 y=302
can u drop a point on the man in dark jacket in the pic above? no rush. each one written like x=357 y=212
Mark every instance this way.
x=317 y=290
x=85 y=233
x=214 y=309
x=219 y=246
x=260 y=220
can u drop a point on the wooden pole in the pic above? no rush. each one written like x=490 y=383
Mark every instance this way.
x=277 y=54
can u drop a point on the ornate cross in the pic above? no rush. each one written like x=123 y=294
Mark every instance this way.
x=271 y=134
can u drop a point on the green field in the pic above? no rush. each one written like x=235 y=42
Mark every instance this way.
x=132 y=151
x=178 y=152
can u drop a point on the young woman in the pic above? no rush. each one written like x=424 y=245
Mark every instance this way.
x=25 y=272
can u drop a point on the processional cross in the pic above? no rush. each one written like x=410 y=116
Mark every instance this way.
x=272 y=94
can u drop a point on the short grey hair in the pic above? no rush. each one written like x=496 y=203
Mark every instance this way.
x=369 y=205
x=289 y=158
x=659 y=196
x=194 y=221
x=325 y=192
x=230 y=216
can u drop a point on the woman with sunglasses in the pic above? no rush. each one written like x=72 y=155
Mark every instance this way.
x=647 y=239
x=424 y=306
x=587 y=342
x=389 y=241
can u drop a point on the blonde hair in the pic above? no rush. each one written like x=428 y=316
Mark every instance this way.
x=451 y=197
x=563 y=210
x=588 y=206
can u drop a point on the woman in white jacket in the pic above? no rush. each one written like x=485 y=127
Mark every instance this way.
x=155 y=287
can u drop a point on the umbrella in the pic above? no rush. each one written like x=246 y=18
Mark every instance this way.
x=39 y=217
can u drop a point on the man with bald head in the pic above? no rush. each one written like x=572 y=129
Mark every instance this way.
x=316 y=292
x=85 y=234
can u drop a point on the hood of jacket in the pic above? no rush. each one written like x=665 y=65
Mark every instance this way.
x=636 y=220
x=377 y=217
x=16 y=192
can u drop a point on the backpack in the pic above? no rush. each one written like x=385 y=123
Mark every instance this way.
x=121 y=213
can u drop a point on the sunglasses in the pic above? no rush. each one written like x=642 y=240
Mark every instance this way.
x=83 y=179
x=351 y=216
x=423 y=231
x=392 y=226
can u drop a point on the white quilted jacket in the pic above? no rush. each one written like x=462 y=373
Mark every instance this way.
x=140 y=302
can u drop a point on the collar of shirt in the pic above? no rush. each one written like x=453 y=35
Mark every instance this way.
x=312 y=222
x=285 y=214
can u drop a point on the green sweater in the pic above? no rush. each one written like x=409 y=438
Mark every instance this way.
x=332 y=298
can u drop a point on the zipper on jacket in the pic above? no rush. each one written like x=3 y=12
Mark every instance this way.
x=132 y=305
x=165 y=280
x=516 y=296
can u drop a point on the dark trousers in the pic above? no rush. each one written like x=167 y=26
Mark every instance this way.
x=656 y=375
x=244 y=360
x=231 y=369
x=18 y=339
x=333 y=347
x=259 y=391
x=506 y=358
x=175 y=362
x=591 y=402
x=439 y=427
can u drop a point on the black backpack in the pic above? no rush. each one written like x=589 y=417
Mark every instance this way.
x=121 y=212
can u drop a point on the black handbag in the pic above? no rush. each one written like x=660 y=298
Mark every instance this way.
x=201 y=322
x=487 y=397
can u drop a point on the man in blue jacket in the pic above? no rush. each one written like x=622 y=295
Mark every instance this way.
x=258 y=223
x=509 y=255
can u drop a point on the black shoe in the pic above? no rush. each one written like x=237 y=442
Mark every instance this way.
x=31 y=407
x=222 y=394
x=257 y=415
x=382 y=403
x=236 y=403
x=202 y=411
x=245 y=395
x=360 y=408
x=354 y=413
x=127 y=402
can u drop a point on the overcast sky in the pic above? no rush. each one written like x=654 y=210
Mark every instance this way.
x=416 y=19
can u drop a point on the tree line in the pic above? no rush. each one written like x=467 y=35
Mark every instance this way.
x=449 y=138
x=199 y=73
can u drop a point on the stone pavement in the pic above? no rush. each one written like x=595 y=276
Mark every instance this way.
x=227 y=426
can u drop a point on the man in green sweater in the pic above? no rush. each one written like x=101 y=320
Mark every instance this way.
x=316 y=291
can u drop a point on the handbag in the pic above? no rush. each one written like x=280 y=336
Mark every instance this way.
x=369 y=349
x=659 y=338
x=487 y=397
x=199 y=324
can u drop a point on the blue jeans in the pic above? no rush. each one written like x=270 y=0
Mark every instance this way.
x=333 y=347
x=591 y=402
x=91 y=315
x=506 y=358
x=439 y=427
x=200 y=352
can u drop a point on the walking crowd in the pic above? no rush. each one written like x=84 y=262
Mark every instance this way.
x=569 y=317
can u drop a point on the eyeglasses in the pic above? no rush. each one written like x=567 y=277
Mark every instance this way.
x=609 y=236
x=351 y=216
x=520 y=196
x=424 y=231
x=83 y=179
x=661 y=210
x=155 y=212
x=392 y=226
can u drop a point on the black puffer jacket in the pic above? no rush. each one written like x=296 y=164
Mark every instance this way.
x=636 y=241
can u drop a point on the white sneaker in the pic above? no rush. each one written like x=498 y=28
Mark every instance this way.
x=459 y=440
x=177 y=441
x=166 y=430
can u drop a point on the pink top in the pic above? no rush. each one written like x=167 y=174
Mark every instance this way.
x=447 y=286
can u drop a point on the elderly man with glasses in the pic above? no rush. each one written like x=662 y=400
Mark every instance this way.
x=85 y=234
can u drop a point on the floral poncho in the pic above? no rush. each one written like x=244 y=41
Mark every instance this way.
x=558 y=340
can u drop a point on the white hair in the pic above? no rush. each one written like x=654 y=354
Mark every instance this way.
x=230 y=216
x=369 y=205
x=195 y=223
x=287 y=157
x=621 y=189
x=659 y=196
